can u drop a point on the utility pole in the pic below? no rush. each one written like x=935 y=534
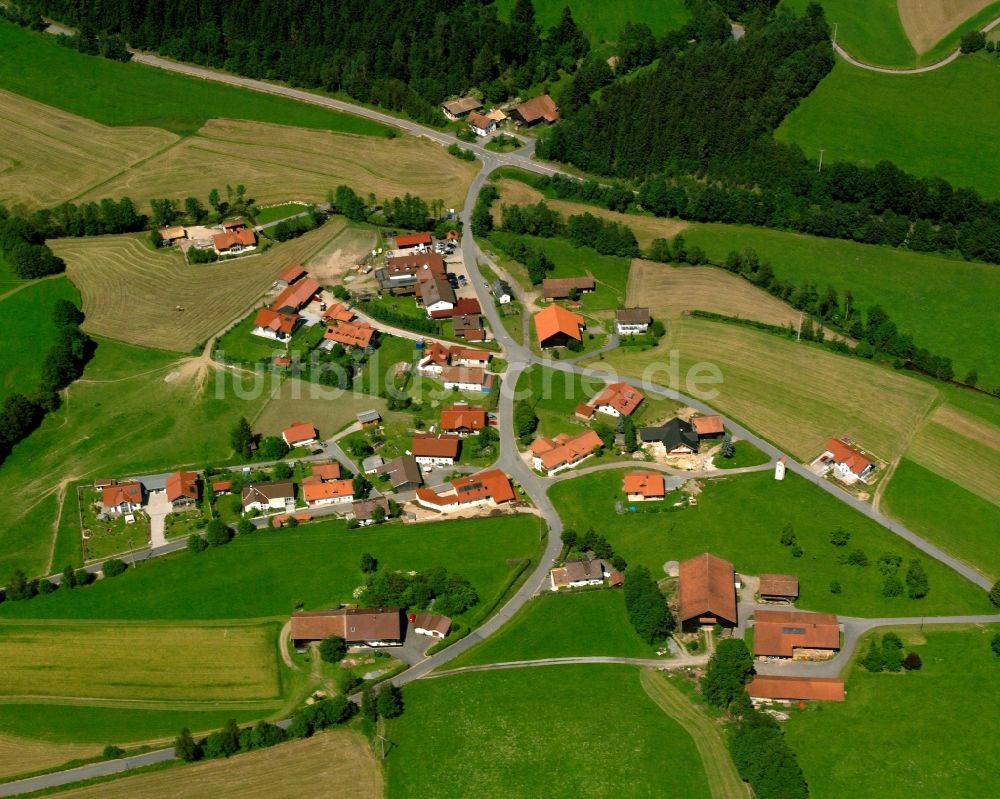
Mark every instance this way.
x=820 y=160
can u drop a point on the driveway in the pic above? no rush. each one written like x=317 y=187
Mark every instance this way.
x=157 y=509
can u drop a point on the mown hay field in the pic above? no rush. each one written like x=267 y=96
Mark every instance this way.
x=646 y=228
x=669 y=291
x=795 y=395
x=171 y=663
x=278 y=163
x=23 y=755
x=48 y=156
x=333 y=763
x=927 y=22
x=132 y=293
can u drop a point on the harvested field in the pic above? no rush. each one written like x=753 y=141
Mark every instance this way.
x=960 y=448
x=132 y=293
x=304 y=769
x=277 y=163
x=669 y=291
x=21 y=755
x=795 y=395
x=139 y=663
x=926 y=22
x=49 y=156
x=646 y=228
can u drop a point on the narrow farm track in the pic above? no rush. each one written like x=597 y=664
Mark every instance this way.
x=723 y=780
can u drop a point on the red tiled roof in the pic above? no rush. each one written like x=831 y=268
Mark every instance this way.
x=479 y=121
x=584 y=411
x=122 y=492
x=413 y=239
x=707 y=588
x=435 y=446
x=779 y=585
x=556 y=319
x=182 y=484
x=620 y=396
x=354 y=625
x=350 y=334
x=338 y=313
x=282 y=360
x=649 y=484
x=270 y=319
x=296 y=295
x=708 y=425
x=299 y=431
x=222 y=485
x=233 y=224
x=492 y=483
x=226 y=241
x=334 y=489
x=541 y=107
x=326 y=471
x=774 y=687
x=466 y=305
x=842 y=453
x=777 y=633
x=421 y=265
x=458 y=352
x=292 y=273
x=558 y=288
x=571 y=449
x=463 y=417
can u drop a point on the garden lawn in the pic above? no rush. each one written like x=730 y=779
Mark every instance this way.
x=29 y=332
x=916 y=733
x=555 y=395
x=379 y=373
x=741 y=518
x=917 y=290
x=745 y=454
x=239 y=344
x=602 y=21
x=267 y=573
x=932 y=124
x=943 y=512
x=558 y=731
x=115 y=93
x=573 y=624
x=275 y=212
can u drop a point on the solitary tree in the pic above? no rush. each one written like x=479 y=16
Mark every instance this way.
x=332 y=649
x=917 y=584
x=217 y=533
x=569 y=538
x=369 y=563
x=241 y=437
x=389 y=703
x=912 y=662
x=840 y=537
x=244 y=527
x=281 y=471
x=728 y=672
x=728 y=448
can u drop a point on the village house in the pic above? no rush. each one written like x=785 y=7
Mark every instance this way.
x=369 y=418
x=491 y=487
x=469 y=326
x=502 y=291
x=290 y=275
x=323 y=472
x=463 y=419
x=536 y=110
x=413 y=241
x=348 y=334
x=296 y=296
x=267 y=496
x=464 y=306
x=560 y=288
x=579 y=574
x=849 y=464
x=467 y=378
x=122 y=497
x=221 y=488
x=481 y=124
x=708 y=426
x=416 y=266
x=766 y=688
x=644 y=486
x=778 y=588
x=675 y=437
x=363 y=510
x=338 y=313
x=273 y=325
x=707 y=590
x=437 y=356
x=430 y=450
x=182 y=489
x=555 y=326
x=795 y=634
x=332 y=492
x=372 y=463
x=403 y=473
x=618 y=399
x=300 y=434
x=432 y=625
x=457 y=109
x=553 y=455
x=234 y=243
x=632 y=321
x=436 y=296
x=375 y=627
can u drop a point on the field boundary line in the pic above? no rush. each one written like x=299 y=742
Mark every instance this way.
x=129 y=168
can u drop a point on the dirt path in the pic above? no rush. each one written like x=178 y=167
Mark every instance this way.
x=284 y=638
x=931 y=409
x=60 y=498
x=31 y=282
x=723 y=780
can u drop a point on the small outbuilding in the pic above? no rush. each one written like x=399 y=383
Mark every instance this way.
x=778 y=588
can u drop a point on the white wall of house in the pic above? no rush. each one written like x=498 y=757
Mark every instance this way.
x=630 y=328
x=564 y=466
x=610 y=410
x=434 y=460
x=323 y=501
x=266 y=332
x=440 y=305
x=431 y=633
x=462 y=386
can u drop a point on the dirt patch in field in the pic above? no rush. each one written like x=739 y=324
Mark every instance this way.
x=927 y=22
x=341 y=256
x=278 y=163
x=48 y=156
x=304 y=769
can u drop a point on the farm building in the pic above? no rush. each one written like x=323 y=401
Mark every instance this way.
x=632 y=321
x=331 y=492
x=778 y=588
x=364 y=509
x=171 y=233
x=276 y=326
x=369 y=626
x=795 y=634
x=707 y=589
x=372 y=464
x=553 y=455
x=462 y=419
x=267 y=496
x=579 y=573
x=643 y=486
x=122 y=497
x=502 y=291
x=536 y=110
x=849 y=464
x=437 y=356
x=233 y=225
x=436 y=295
x=348 y=334
x=559 y=288
x=491 y=487
x=338 y=313
x=433 y=625
x=674 y=437
x=766 y=688
x=708 y=426
x=466 y=306
x=555 y=326
x=411 y=241
x=415 y=266
x=480 y=124
x=296 y=296
x=467 y=378
x=290 y=275
x=403 y=473
x=584 y=412
x=457 y=109
x=182 y=489
x=618 y=399
x=435 y=450
x=234 y=243
x=370 y=418
x=299 y=434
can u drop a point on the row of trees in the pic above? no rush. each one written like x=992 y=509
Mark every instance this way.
x=888 y=655
x=647 y=606
x=583 y=230
x=87 y=219
x=20 y=587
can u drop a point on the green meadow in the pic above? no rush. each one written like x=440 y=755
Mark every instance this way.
x=870 y=30
x=557 y=731
x=741 y=518
x=933 y=124
x=603 y=21
x=115 y=93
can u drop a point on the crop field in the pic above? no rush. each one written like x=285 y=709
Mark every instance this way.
x=927 y=22
x=132 y=293
x=23 y=755
x=113 y=93
x=547 y=731
x=602 y=22
x=29 y=332
x=172 y=664
x=55 y=156
x=276 y=162
x=304 y=768
x=907 y=734
x=796 y=395
x=121 y=417
x=917 y=290
x=669 y=291
x=577 y=624
x=763 y=507
x=863 y=116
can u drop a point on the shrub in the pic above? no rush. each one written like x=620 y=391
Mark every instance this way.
x=196 y=543
x=332 y=649
x=836 y=587
x=114 y=567
x=217 y=533
x=912 y=662
x=840 y=537
x=873 y=660
x=244 y=527
x=893 y=586
x=112 y=752
x=857 y=558
x=995 y=644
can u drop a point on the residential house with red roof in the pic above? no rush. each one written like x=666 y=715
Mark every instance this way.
x=555 y=326
x=467 y=378
x=439 y=450
x=541 y=109
x=274 y=325
x=579 y=574
x=644 y=486
x=235 y=242
x=348 y=334
x=491 y=487
x=299 y=434
x=332 y=492
x=338 y=313
x=122 y=497
x=480 y=124
x=375 y=627
x=182 y=489
x=707 y=591
x=553 y=455
x=618 y=399
x=849 y=464
x=463 y=419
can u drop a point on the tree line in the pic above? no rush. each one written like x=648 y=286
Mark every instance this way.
x=582 y=230
x=25 y=250
x=20 y=588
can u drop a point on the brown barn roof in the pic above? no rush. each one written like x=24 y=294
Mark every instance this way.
x=461 y=106
x=354 y=625
x=708 y=425
x=558 y=288
x=772 y=687
x=292 y=273
x=537 y=108
x=707 y=587
x=778 y=633
x=635 y=316
x=779 y=585
x=296 y=295
x=432 y=621
x=435 y=446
